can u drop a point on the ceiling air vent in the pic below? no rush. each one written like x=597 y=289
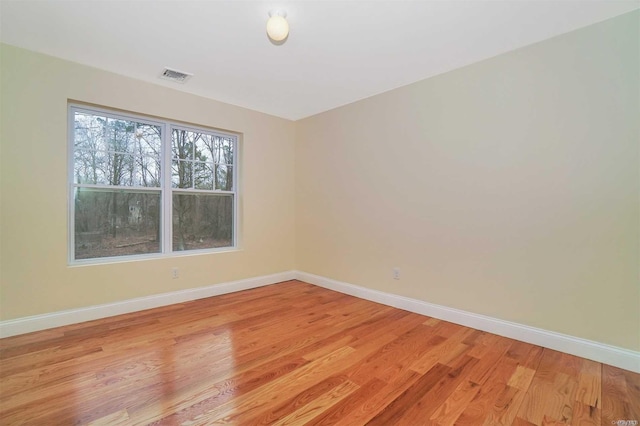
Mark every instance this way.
x=175 y=75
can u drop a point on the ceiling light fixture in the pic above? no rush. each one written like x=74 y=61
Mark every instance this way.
x=277 y=25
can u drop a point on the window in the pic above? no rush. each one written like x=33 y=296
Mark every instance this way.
x=142 y=187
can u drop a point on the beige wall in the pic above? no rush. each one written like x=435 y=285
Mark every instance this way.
x=508 y=188
x=35 y=277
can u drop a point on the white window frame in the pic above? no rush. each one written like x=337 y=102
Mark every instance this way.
x=166 y=190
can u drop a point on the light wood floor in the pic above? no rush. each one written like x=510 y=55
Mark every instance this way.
x=293 y=353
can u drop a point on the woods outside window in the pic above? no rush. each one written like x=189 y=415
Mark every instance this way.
x=145 y=187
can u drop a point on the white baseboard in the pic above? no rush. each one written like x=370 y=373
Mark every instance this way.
x=72 y=316
x=612 y=355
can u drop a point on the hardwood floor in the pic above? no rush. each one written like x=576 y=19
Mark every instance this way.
x=293 y=353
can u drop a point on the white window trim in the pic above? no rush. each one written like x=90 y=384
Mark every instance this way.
x=166 y=191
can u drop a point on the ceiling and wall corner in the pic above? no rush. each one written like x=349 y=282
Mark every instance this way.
x=338 y=51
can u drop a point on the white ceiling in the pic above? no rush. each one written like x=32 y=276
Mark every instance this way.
x=337 y=52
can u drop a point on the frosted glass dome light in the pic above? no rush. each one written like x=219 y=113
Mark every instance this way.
x=277 y=26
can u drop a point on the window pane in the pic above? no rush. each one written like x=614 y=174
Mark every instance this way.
x=148 y=153
x=203 y=176
x=224 y=178
x=226 y=151
x=149 y=139
x=120 y=169
x=182 y=144
x=213 y=148
x=111 y=151
x=181 y=174
x=89 y=167
x=89 y=131
x=147 y=171
x=204 y=150
x=202 y=221
x=120 y=135
x=116 y=223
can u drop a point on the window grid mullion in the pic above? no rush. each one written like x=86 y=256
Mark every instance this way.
x=70 y=180
x=118 y=187
x=167 y=193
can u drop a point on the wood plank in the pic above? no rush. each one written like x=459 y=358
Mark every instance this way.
x=553 y=400
x=585 y=415
x=521 y=378
x=297 y=401
x=377 y=402
x=439 y=393
x=411 y=397
x=508 y=403
x=394 y=358
x=480 y=406
x=589 y=390
x=505 y=407
x=490 y=359
x=318 y=406
x=118 y=418
x=617 y=403
x=450 y=349
x=344 y=408
x=448 y=413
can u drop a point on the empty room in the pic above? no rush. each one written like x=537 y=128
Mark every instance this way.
x=319 y=212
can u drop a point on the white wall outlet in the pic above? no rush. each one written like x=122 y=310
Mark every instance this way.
x=396 y=273
x=175 y=273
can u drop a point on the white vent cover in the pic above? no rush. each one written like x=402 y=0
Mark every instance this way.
x=175 y=75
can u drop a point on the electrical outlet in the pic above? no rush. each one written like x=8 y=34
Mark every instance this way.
x=396 y=273
x=175 y=273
